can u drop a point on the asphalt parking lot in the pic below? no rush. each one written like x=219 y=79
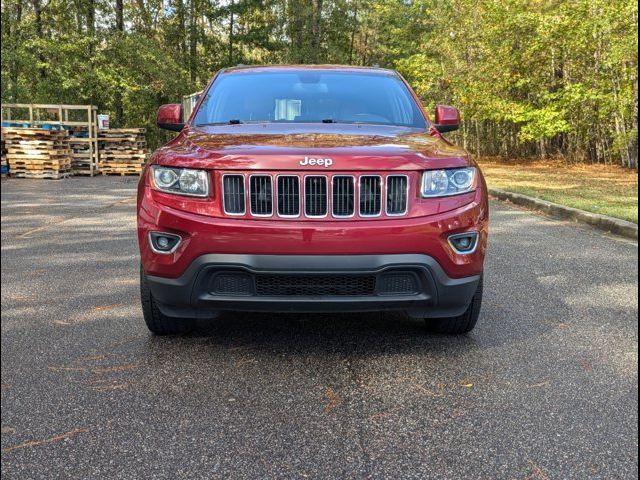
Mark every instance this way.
x=546 y=387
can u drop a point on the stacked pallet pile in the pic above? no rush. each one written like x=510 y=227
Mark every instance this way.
x=123 y=151
x=37 y=153
x=79 y=142
x=4 y=165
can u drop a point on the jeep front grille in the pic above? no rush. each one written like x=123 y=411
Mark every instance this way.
x=315 y=196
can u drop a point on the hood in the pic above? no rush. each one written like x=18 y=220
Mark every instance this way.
x=324 y=147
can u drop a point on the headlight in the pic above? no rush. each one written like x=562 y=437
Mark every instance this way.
x=183 y=181
x=441 y=183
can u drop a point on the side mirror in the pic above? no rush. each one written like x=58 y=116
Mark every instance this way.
x=447 y=119
x=170 y=117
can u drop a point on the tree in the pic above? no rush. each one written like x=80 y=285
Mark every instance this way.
x=531 y=77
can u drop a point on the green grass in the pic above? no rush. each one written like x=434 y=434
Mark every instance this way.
x=600 y=189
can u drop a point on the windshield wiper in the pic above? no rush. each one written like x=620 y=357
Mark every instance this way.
x=230 y=122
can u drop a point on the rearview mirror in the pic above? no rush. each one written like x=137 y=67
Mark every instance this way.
x=170 y=117
x=447 y=119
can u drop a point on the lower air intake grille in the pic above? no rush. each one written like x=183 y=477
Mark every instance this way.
x=232 y=283
x=398 y=283
x=312 y=285
x=233 y=188
x=370 y=194
x=315 y=196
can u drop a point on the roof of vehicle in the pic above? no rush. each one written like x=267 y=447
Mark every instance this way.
x=297 y=68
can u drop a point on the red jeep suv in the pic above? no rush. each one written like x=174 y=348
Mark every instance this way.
x=311 y=189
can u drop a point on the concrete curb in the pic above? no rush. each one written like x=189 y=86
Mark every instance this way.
x=602 y=222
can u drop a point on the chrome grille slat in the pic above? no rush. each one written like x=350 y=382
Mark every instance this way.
x=343 y=189
x=260 y=195
x=233 y=198
x=370 y=195
x=396 y=195
x=288 y=196
x=315 y=196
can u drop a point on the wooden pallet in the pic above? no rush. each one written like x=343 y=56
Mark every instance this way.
x=33 y=169
x=122 y=173
x=124 y=151
x=130 y=161
x=14 y=132
x=120 y=166
x=38 y=143
x=122 y=131
x=52 y=176
x=38 y=153
x=24 y=153
x=40 y=163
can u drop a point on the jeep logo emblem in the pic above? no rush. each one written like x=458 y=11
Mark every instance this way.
x=321 y=162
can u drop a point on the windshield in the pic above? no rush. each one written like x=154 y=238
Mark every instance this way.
x=310 y=96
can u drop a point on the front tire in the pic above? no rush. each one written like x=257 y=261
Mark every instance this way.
x=461 y=324
x=156 y=321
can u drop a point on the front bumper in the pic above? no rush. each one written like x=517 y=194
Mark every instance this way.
x=414 y=283
x=203 y=235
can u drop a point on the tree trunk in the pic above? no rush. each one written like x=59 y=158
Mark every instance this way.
x=193 y=43
x=353 y=32
x=37 y=10
x=91 y=17
x=316 y=30
x=119 y=16
x=231 y=13
x=633 y=143
x=296 y=16
x=15 y=66
x=117 y=96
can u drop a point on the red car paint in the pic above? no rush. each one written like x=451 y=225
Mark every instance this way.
x=274 y=148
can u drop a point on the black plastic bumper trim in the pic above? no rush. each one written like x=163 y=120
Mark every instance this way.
x=188 y=294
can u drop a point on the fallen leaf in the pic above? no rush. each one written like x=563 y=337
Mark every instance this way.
x=538 y=385
x=537 y=471
x=115 y=368
x=57 y=438
x=101 y=308
x=67 y=369
x=333 y=400
x=107 y=388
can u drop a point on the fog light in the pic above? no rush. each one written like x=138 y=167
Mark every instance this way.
x=464 y=243
x=164 y=243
